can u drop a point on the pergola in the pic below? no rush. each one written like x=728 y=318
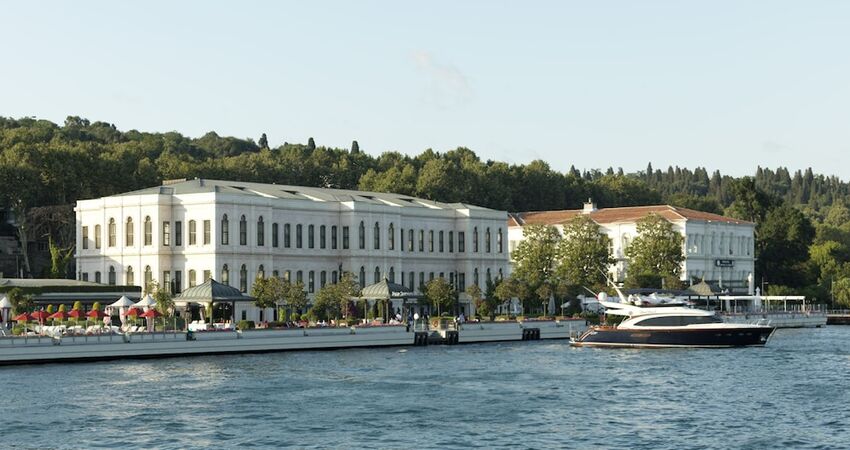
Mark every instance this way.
x=387 y=291
x=212 y=292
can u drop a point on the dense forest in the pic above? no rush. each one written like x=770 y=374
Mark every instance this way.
x=43 y=164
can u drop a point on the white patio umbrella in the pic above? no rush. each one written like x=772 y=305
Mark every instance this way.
x=145 y=303
x=5 y=308
x=123 y=303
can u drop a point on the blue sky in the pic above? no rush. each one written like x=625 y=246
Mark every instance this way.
x=722 y=84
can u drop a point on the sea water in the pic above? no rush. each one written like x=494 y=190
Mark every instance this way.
x=794 y=393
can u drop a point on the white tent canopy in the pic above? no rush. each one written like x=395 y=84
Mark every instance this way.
x=146 y=302
x=122 y=302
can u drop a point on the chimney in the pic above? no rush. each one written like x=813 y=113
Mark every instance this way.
x=589 y=207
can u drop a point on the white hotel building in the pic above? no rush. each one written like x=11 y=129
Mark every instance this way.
x=185 y=232
x=718 y=249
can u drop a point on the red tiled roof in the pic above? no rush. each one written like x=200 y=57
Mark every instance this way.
x=612 y=215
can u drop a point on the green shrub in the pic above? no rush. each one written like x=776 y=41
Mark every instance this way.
x=18 y=330
x=295 y=317
x=245 y=325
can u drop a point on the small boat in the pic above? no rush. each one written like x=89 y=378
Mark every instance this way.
x=670 y=325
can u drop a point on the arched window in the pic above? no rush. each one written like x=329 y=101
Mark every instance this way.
x=362 y=277
x=500 y=274
x=489 y=277
x=392 y=275
x=225 y=275
x=334 y=277
x=298 y=235
x=111 y=233
x=299 y=277
x=442 y=235
x=193 y=232
x=499 y=244
x=475 y=276
x=487 y=240
x=311 y=236
x=421 y=240
x=261 y=272
x=391 y=236
x=377 y=236
x=261 y=232
x=362 y=235
x=130 y=279
x=411 y=282
x=243 y=278
x=430 y=240
x=475 y=239
x=323 y=279
x=311 y=281
x=192 y=278
x=377 y=274
x=322 y=236
x=225 y=230
x=128 y=232
x=275 y=239
x=97 y=236
x=148 y=279
x=148 y=231
x=287 y=235
x=333 y=237
x=97 y=277
x=243 y=231
x=111 y=275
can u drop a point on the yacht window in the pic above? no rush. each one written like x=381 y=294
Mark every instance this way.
x=675 y=321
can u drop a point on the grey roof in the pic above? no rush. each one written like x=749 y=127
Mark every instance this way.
x=701 y=289
x=385 y=290
x=280 y=191
x=43 y=282
x=213 y=291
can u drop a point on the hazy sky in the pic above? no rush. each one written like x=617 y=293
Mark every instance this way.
x=726 y=85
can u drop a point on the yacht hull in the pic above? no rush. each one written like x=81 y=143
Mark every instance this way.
x=702 y=337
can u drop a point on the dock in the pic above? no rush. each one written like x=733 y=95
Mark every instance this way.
x=838 y=317
x=47 y=349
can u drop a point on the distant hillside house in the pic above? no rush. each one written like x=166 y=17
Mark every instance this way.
x=717 y=248
x=188 y=231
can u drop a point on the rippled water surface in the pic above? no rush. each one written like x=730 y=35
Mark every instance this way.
x=795 y=393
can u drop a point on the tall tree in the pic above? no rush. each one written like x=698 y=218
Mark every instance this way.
x=782 y=246
x=440 y=294
x=584 y=254
x=263 y=142
x=535 y=260
x=655 y=253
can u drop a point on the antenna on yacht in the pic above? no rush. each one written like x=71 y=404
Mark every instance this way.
x=616 y=288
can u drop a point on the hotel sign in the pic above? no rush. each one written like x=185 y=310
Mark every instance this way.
x=724 y=262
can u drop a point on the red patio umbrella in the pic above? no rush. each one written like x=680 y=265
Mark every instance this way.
x=23 y=317
x=40 y=315
x=151 y=313
x=95 y=314
x=58 y=315
x=132 y=312
x=76 y=313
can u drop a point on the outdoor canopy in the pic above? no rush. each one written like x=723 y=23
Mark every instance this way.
x=146 y=302
x=122 y=302
x=212 y=292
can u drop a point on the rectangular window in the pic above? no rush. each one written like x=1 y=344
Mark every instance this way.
x=345 y=238
x=430 y=240
x=299 y=277
x=333 y=237
x=97 y=277
x=207 y=232
x=97 y=236
x=430 y=276
x=323 y=279
x=322 y=237
x=441 y=241
x=193 y=237
x=85 y=238
x=178 y=233
x=166 y=281
x=421 y=240
x=410 y=281
x=451 y=241
x=410 y=240
x=178 y=278
x=298 y=235
x=166 y=233
x=85 y=276
x=461 y=241
x=461 y=282
x=401 y=239
x=421 y=280
x=274 y=235
x=207 y=275
x=311 y=236
x=287 y=275
x=287 y=235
